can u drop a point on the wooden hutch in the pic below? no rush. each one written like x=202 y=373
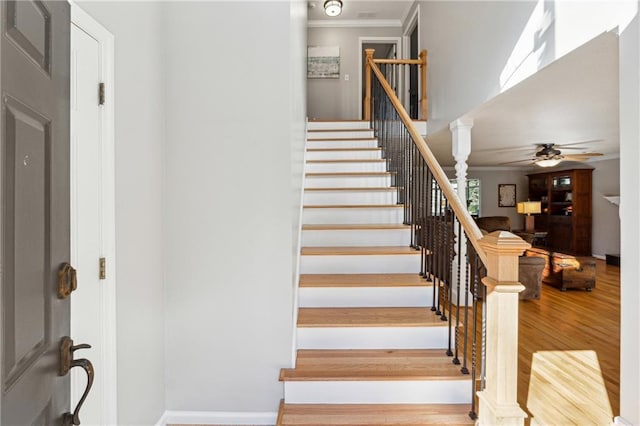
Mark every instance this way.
x=566 y=209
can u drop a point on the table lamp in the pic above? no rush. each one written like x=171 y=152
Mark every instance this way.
x=529 y=207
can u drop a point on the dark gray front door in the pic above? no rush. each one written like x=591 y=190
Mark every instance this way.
x=34 y=188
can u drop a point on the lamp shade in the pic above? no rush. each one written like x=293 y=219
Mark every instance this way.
x=529 y=207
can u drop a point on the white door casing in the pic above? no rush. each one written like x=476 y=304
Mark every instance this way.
x=93 y=305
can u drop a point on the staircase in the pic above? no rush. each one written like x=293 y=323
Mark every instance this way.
x=370 y=351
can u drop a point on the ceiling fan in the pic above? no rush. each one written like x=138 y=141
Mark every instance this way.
x=549 y=155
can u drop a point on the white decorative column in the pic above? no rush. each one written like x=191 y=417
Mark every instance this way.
x=461 y=148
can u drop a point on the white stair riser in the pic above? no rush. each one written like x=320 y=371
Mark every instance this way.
x=345 y=155
x=347 y=181
x=351 y=197
x=343 y=143
x=342 y=167
x=363 y=297
x=379 y=392
x=357 y=238
x=340 y=134
x=352 y=215
x=338 y=125
x=360 y=264
x=372 y=337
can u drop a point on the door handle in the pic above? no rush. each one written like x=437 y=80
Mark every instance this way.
x=67 y=363
x=67 y=280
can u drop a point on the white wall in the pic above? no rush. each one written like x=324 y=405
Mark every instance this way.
x=630 y=205
x=478 y=49
x=139 y=150
x=336 y=98
x=605 y=235
x=298 y=82
x=229 y=209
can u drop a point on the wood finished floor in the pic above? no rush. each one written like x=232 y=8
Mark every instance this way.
x=574 y=320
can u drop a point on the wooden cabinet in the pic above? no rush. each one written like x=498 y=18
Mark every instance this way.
x=566 y=209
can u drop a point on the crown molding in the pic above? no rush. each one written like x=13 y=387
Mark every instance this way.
x=355 y=23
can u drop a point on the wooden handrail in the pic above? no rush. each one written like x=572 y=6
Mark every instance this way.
x=421 y=62
x=467 y=222
x=399 y=61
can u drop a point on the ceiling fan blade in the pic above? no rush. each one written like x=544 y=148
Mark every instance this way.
x=580 y=157
x=529 y=160
x=570 y=147
x=513 y=148
x=578 y=142
x=585 y=154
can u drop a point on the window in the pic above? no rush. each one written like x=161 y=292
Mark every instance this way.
x=473 y=195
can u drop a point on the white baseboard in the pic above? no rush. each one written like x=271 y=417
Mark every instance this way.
x=217 y=417
x=599 y=256
x=621 y=421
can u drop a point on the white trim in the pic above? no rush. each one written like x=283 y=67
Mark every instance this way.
x=105 y=39
x=599 y=256
x=362 y=40
x=353 y=23
x=619 y=420
x=217 y=417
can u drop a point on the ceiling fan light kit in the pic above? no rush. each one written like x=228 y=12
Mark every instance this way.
x=333 y=7
x=548 y=162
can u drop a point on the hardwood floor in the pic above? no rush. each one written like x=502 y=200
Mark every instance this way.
x=574 y=320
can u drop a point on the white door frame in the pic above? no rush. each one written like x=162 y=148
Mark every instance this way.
x=84 y=21
x=364 y=40
x=412 y=22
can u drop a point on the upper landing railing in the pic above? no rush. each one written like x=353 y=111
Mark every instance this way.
x=400 y=64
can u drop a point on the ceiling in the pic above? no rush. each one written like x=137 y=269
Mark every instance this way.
x=569 y=101
x=361 y=13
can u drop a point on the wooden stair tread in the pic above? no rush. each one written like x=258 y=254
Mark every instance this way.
x=356 y=188
x=372 y=365
x=347 y=174
x=359 y=226
x=338 y=130
x=347 y=251
x=368 y=317
x=344 y=149
x=353 y=206
x=340 y=139
x=374 y=414
x=350 y=160
x=362 y=280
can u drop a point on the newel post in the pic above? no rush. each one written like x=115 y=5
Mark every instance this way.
x=367 y=84
x=498 y=402
x=423 y=84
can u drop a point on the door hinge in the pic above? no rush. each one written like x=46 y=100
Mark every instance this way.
x=101 y=94
x=103 y=268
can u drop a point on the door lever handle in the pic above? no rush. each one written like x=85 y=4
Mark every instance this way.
x=67 y=363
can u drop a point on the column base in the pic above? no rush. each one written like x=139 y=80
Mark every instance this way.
x=490 y=413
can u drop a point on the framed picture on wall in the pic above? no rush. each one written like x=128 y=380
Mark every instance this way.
x=506 y=195
x=323 y=62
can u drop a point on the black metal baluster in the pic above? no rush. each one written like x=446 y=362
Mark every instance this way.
x=474 y=317
x=456 y=360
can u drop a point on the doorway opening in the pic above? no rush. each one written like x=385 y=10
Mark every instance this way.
x=385 y=48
